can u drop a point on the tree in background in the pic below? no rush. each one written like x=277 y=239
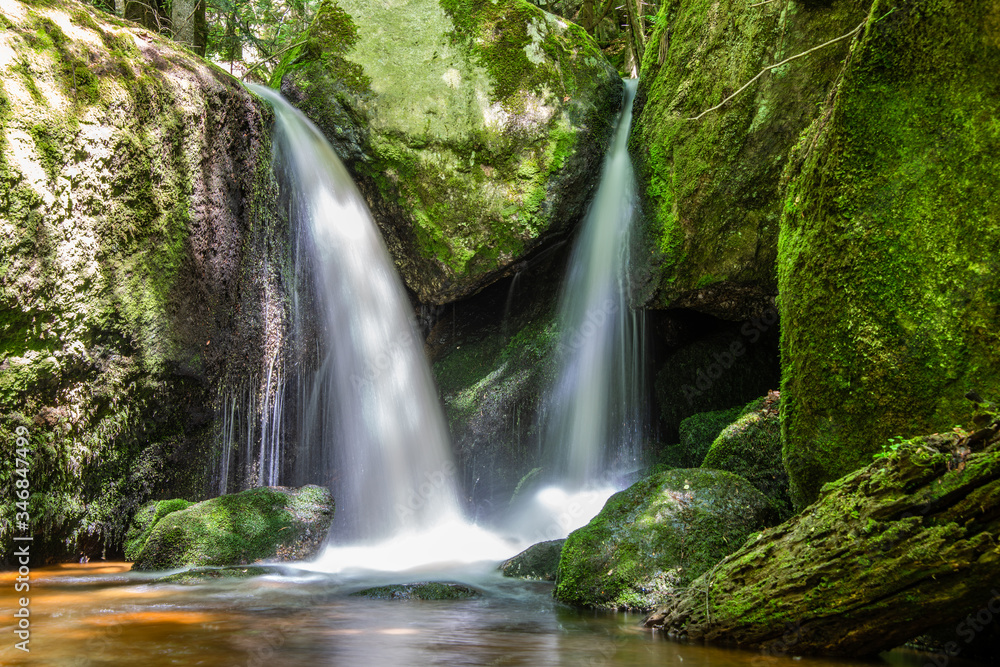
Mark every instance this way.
x=246 y=36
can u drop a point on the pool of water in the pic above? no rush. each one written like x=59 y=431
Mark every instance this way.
x=101 y=614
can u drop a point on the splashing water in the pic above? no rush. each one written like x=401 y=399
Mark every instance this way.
x=372 y=400
x=593 y=421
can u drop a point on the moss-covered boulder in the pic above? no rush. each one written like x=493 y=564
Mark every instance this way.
x=433 y=590
x=657 y=535
x=474 y=129
x=697 y=433
x=889 y=276
x=712 y=183
x=751 y=448
x=903 y=546
x=539 y=561
x=144 y=521
x=135 y=185
x=267 y=523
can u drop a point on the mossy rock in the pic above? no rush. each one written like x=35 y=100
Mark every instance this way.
x=698 y=432
x=751 y=448
x=711 y=185
x=658 y=535
x=434 y=590
x=145 y=519
x=888 y=272
x=491 y=388
x=539 y=561
x=199 y=575
x=474 y=139
x=268 y=523
x=136 y=214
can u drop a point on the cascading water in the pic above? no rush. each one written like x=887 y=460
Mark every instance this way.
x=593 y=421
x=372 y=399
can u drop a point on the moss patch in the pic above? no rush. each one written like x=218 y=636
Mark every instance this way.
x=237 y=529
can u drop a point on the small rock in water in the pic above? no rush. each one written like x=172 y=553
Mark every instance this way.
x=539 y=561
x=428 y=590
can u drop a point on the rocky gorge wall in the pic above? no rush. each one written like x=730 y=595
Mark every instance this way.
x=135 y=227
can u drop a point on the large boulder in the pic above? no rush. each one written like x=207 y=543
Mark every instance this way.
x=268 y=523
x=712 y=183
x=657 y=536
x=751 y=448
x=135 y=185
x=475 y=129
x=888 y=271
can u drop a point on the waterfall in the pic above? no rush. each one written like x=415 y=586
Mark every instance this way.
x=369 y=423
x=593 y=419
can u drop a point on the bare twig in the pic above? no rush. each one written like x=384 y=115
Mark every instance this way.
x=766 y=2
x=776 y=65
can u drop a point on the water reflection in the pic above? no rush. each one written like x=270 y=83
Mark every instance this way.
x=101 y=615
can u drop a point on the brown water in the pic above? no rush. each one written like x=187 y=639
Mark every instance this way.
x=101 y=614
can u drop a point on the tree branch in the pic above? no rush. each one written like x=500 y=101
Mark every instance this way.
x=776 y=65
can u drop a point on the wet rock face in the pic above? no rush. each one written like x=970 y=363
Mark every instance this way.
x=134 y=218
x=270 y=523
x=658 y=535
x=476 y=139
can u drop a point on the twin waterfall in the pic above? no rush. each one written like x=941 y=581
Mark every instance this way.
x=367 y=421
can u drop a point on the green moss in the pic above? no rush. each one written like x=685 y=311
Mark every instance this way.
x=751 y=448
x=697 y=433
x=657 y=536
x=712 y=185
x=890 y=207
x=144 y=521
x=235 y=529
x=433 y=590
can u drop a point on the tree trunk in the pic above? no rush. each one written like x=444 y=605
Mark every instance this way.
x=189 y=26
x=901 y=547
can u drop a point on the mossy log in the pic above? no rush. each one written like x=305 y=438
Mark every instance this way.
x=895 y=549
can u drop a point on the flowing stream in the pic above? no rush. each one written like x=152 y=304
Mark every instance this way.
x=102 y=615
